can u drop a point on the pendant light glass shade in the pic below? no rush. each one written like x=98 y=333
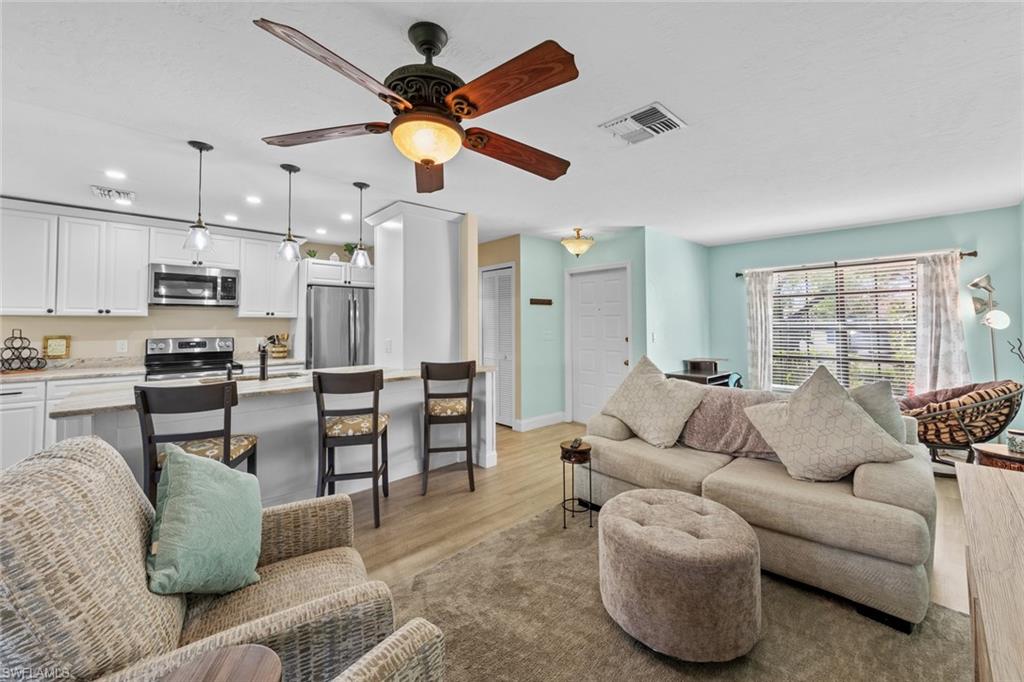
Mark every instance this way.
x=198 y=237
x=579 y=244
x=360 y=258
x=289 y=248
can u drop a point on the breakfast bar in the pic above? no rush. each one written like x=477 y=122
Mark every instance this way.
x=281 y=412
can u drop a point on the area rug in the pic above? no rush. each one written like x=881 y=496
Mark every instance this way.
x=524 y=605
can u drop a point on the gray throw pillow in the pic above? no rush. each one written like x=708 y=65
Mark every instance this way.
x=653 y=406
x=719 y=423
x=877 y=400
x=822 y=434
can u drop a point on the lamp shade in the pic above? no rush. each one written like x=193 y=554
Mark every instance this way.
x=578 y=245
x=426 y=138
x=996 y=319
x=984 y=282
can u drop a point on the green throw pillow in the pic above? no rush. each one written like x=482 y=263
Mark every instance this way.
x=206 y=536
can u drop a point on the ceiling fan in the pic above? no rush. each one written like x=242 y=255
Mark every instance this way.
x=429 y=103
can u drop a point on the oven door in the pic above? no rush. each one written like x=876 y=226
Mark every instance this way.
x=178 y=285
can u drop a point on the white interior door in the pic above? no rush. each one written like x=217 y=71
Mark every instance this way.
x=600 y=331
x=497 y=337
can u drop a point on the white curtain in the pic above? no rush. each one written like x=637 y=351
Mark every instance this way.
x=941 y=354
x=759 y=329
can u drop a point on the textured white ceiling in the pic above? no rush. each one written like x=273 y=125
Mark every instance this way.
x=800 y=116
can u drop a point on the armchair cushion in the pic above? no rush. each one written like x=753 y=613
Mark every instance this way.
x=414 y=652
x=307 y=526
x=282 y=585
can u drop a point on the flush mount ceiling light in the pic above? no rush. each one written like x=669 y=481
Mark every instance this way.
x=579 y=244
x=289 y=249
x=252 y=199
x=360 y=259
x=114 y=174
x=198 y=238
x=120 y=197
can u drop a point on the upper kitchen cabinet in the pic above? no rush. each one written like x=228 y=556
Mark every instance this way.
x=334 y=273
x=269 y=286
x=359 y=277
x=102 y=268
x=165 y=247
x=28 y=263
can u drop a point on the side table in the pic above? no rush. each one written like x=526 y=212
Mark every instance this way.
x=999 y=456
x=573 y=456
x=251 y=662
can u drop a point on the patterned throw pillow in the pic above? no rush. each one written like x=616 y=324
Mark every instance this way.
x=653 y=406
x=822 y=434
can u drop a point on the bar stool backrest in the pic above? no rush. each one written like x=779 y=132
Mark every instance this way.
x=150 y=400
x=449 y=371
x=347 y=383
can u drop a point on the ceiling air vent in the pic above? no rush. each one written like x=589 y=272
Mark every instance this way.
x=121 y=197
x=644 y=123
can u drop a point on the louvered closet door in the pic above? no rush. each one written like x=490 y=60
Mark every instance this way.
x=497 y=337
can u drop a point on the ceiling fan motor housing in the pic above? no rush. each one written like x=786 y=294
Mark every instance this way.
x=424 y=85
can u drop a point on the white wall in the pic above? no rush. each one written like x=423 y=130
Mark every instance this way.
x=388 y=339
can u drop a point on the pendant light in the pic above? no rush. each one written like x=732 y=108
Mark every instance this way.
x=360 y=259
x=198 y=238
x=289 y=249
x=579 y=244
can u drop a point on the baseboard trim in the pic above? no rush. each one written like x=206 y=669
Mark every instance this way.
x=539 y=421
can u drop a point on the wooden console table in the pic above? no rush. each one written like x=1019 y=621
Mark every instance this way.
x=993 y=501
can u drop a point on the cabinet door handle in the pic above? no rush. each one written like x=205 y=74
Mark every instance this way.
x=12 y=393
x=100 y=311
x=107 y=311
x=49 y=310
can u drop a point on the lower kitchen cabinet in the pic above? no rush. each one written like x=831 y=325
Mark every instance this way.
x=21 y=421
x=75 y=426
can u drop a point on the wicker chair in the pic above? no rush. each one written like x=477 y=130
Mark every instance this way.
x=958 y=418
x=74 y=529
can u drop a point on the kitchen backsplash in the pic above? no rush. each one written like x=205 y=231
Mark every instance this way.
x=94 y=339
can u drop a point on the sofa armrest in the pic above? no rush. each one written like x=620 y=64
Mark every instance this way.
x=909 y=484
x=291 y=530
x=315 y=641
x=414 y=652
x=609 y=427
x=911 y=424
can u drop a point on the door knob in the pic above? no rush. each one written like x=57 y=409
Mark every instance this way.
x=626 y=362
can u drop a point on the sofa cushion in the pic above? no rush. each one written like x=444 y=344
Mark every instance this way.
x=822 y=434
x=876 y=399
x=719 y=423
x=74 y=527
x=909 y=484
x=653 y=406
x=607 y=426
x=765 y=495
x=282 y=585
x=646 y=466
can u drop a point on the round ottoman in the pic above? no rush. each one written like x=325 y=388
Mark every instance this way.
x=680 y=573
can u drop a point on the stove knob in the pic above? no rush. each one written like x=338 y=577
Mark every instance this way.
x=161 y=346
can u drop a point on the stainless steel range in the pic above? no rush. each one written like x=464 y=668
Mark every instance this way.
x=190 y=357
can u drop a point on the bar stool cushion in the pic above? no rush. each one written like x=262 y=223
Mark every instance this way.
x=212 y=448
x=446 y=407
x=355 y=425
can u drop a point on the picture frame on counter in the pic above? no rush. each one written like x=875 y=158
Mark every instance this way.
x=57 y=347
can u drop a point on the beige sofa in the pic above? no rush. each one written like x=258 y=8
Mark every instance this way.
x=868 y=537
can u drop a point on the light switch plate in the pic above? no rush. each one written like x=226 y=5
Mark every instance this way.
x=122 y=345
x=387 y=345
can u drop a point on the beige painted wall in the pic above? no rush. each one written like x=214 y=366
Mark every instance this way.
x=97 y=337
x=507 y=251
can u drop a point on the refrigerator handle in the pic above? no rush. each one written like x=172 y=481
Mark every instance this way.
x=351 y=331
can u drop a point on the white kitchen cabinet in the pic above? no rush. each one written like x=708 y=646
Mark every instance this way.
x=337 y=273
x=269 y=286
x=165 y=247
x=56 y=391
x=28 y=263
x=21 y=421
x=359 y=277
x=102 y=268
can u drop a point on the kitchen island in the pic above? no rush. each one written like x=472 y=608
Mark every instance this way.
x=281 y=412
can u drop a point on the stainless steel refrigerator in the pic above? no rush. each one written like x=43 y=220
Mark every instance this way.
x=339 y=326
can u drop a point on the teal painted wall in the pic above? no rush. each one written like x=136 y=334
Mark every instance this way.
x=542 y=349
x=996 y=234
x=677 y=299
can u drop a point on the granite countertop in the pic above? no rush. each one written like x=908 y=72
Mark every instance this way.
x=115 y=397
x=101 y=372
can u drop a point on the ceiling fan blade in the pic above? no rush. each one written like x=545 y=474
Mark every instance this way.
x=321 y=134
x=515 y=153
x=535 y=70
x=429 y=178
x=300 y=40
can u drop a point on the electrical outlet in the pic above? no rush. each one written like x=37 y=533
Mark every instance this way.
x=122 y=345
x=387 y=345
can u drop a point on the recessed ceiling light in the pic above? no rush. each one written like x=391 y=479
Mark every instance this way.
x=321 y=230
x=123 y=202
x=115 y=174
x=346 y=217
x=230 y=217
x=253 y=199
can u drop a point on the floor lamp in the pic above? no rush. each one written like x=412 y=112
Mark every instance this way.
x=991 y=316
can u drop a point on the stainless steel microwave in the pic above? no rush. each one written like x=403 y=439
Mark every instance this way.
x=183 y=285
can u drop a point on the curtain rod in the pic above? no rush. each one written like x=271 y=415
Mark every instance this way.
x=864 y=261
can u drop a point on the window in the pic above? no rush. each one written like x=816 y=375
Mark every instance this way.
x=860 y=321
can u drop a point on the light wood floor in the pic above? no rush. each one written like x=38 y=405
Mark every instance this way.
x=416 y=531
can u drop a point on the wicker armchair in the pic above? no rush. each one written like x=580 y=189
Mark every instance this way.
x=74 y=529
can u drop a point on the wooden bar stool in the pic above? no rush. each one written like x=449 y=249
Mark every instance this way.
x=448 y=408
x=217 y=444
x=357 y=426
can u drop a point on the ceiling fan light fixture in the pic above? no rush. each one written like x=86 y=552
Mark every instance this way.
x=578 y=245
x=427 y=138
